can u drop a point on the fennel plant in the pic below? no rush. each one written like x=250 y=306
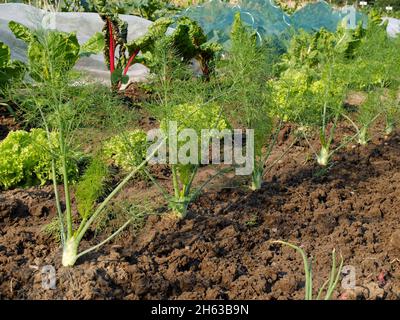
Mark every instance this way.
x=173 y=85
x=391 y=107
x=196 y=117
x=50 y=105
x=368 y=112
x=245 y=71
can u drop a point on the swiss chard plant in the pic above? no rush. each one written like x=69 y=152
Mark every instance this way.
x=187 y=37
x=115 y=32
x=52 y=53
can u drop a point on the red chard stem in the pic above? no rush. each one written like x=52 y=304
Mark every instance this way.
x=112 y=48
x=131 y=58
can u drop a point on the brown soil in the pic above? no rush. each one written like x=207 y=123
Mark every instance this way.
x=222 y=250
x=7 y=122
x=135 y=92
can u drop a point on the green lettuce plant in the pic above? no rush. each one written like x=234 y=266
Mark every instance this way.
x=52 y=53
x=288 y=93
x=127 y=150
x=26 y=159
x=329 y=285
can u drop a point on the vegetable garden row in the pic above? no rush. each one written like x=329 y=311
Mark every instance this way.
x=88 y=140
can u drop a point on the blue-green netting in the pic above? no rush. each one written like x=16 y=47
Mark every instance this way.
x=268 y=19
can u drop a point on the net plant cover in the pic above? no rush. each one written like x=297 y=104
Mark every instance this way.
x=268 y=19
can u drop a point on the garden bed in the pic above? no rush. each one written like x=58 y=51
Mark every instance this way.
x=304 y=206
x=222 y=250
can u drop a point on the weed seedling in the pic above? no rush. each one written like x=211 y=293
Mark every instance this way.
x=329 y=285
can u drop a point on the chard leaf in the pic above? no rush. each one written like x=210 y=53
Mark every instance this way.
x=118 y=76
x=94 y=45
x=21 y=32
x=4 y=55
x=124 y=79
x=53 y=56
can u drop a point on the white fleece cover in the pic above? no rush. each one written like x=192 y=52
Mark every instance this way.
x=83 y=23
x=393 y=27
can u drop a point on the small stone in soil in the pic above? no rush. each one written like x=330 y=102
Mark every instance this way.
x=395 y=240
